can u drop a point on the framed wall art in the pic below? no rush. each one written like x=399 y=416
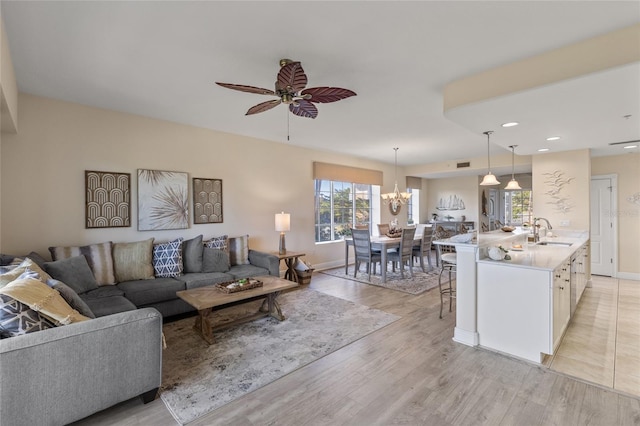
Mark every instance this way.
x=163 y=200
x=107 y=199
x=207 y=200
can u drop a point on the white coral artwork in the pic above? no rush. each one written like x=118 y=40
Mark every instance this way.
x=556 y=182
x=635 y=198
x=162 y=200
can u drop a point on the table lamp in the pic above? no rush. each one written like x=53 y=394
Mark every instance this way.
x=283 y=223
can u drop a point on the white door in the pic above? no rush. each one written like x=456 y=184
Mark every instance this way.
x=602 y=226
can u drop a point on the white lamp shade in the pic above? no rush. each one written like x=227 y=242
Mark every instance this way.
x=512 y=185
x=283 y=222
x=489 y=179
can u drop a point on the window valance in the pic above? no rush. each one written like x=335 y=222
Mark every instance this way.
x=414 y=182
x=339 y=173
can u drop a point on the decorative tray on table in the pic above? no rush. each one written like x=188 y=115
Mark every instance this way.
x=394 y=234
x=239 y=285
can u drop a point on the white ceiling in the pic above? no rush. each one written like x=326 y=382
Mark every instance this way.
x=161 y=59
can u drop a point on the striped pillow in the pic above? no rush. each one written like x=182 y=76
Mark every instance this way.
x=99 y=257
x=239 y=250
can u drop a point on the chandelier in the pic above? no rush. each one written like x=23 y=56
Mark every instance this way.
x=396 y=198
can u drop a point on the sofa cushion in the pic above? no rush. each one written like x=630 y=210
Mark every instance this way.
x=214 y=260
x=43 y=299
x=17 y=318
x=246 y=271
x=192 y=254
x=145 y=292
x=239 y=250
x=110 y=305
x=27 y=263
x=102 y=292
x=220 y=243
x=203 y=280
x=71 y=297
x=99 y=257
x=133 y=261
x=167 y=259
x=74 y=272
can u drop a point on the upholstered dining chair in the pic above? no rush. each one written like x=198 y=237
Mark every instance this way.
x=383 y=229
x=363 y=252
x=405 y=253
x=448 y=261
x=424 y=248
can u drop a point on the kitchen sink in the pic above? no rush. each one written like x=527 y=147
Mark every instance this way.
x=554 y=243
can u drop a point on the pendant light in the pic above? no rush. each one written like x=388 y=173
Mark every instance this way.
x=396 y=198
x=513 y=183
x=489 y=179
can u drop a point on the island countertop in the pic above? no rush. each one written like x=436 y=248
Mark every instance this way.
x=539 y=256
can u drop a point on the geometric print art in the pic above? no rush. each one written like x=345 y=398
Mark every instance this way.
x=16 y=318
x=167 y=259
x=207 y=200
x=108 y=199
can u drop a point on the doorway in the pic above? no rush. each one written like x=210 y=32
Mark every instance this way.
x=604 y=225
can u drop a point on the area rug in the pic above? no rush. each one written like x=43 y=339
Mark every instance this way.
x=421 y=281
x=198 y=378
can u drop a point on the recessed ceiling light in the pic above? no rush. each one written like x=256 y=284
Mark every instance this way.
x=543 y=150
x=553 y=138
x=510 y=124
x=630 y=146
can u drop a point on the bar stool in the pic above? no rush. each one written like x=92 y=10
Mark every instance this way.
x=448 y=262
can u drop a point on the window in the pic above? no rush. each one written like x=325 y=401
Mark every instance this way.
x=413 y=211
x=338 y=206
x=518 y=207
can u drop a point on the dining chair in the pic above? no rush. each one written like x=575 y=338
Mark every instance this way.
x=448 y=261
x=405 y=253
x=424 y=248
x=383 y=229
x=363 y=252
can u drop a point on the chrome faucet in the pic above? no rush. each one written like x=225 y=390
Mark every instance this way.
x=536 y=228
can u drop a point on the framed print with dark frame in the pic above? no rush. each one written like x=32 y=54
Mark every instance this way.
x=207 y=201
x=163 y=200
x=107 y=199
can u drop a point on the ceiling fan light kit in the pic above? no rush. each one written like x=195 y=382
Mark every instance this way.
x=489 y=179
x=290 y=89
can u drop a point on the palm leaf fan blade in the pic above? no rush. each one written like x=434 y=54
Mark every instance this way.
x=327 y=94
x=248 y=89
x=292 y=76
x=264 y=106
x=304 y=108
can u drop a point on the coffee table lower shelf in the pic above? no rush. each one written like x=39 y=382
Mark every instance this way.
x=205 y=299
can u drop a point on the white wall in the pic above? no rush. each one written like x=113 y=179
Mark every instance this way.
x=42 y=175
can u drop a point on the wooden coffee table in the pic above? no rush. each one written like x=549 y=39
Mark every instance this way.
x=205 y=299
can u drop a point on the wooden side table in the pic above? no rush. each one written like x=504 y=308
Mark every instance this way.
x=290 y=259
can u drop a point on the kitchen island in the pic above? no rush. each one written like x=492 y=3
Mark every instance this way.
x=524 y=304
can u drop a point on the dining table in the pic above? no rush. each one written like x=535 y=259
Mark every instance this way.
x=382 y=243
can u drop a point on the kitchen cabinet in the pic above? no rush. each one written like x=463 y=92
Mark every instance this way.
x=561 y=300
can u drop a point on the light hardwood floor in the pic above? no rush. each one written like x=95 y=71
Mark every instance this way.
x=408 y=373
x=602 y=342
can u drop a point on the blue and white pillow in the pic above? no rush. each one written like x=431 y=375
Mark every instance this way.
x=167 y=259
x=17 y=318
x=220 y=243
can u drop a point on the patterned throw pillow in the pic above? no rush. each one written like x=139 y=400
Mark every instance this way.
x=42 y=299
x=220 y=243
x=99 y=257
x=133 y=261
x=239 y=250
x=27 y=263
x=167 y=259
x=17 y=319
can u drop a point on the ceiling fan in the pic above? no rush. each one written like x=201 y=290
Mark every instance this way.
x=290 y=89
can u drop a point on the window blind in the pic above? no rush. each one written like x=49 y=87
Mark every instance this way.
x=414 y=182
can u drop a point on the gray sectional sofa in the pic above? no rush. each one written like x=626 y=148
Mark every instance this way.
x=62 y=374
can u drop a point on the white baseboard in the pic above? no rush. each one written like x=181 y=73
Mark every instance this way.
x=628 y=276
x=469 y=338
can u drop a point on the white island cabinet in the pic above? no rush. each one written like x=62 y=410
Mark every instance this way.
x=524 y=304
